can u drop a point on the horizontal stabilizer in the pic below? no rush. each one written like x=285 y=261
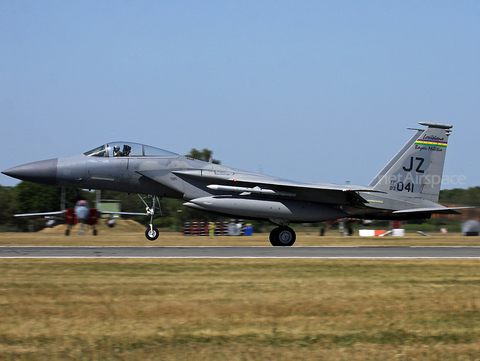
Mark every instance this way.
x=46 y=214
x=125 y=213
x=438 y=210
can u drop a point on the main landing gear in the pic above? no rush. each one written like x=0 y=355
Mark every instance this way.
x=82 y=229
x=151 y=233
x=282 y=236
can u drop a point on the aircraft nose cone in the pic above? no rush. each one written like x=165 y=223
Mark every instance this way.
x=44 y=172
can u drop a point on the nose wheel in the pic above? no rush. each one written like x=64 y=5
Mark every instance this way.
x=282 y=236
x=151 y=233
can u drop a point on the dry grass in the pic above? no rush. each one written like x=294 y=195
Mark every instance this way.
x=239 y=309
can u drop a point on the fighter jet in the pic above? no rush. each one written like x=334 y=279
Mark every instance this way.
x=406 y=188
x=81 y=214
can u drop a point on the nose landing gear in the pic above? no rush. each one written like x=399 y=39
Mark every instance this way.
x=151 y=233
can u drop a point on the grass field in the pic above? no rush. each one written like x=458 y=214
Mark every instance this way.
x=100 y=309
x=239 y=309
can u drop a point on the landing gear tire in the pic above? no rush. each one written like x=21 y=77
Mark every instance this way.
x=282 y=236
x=95 y=232
x=152 y=234
x=274 y=236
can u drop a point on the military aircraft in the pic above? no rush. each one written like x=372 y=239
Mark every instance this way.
x=406 y=188
x=81 y=214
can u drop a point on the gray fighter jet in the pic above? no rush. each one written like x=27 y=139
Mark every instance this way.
x=406 y=188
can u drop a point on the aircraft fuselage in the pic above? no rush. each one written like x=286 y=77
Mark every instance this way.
x=407 y=188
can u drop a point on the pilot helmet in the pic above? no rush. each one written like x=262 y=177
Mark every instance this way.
x=116 y=148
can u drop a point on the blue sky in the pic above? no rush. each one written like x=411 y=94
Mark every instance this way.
x=306 y=90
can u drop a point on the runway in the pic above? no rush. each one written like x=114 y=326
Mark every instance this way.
x=243 y=252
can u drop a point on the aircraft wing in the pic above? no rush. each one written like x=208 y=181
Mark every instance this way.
x=58 y=213
x=254 y=184
x=300 y=185
x=125 y=213
x=46 y=214
x=270 y=181
x=437 y=210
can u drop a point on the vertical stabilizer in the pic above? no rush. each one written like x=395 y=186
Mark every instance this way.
x=416 y=171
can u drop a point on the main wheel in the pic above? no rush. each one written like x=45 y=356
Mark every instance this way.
x=283 y=236
x=152 y=234
x=274 y=237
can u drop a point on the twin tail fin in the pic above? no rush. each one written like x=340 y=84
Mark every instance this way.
x=416 y=171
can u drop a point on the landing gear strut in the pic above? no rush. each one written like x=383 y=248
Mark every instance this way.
x=151 y=233
x=282 y=236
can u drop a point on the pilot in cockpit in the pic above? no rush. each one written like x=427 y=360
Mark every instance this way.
x=125 y=152
x=117 y=152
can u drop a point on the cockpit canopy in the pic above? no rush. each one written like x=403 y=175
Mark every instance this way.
x=128 y=149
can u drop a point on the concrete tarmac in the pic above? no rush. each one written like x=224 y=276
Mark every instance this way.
x=243 y=252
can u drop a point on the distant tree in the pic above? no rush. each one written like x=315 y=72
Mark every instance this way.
x=473 y=196
x=32 y=197
x=470 y=196
x=205 y=155
x=8 y=206
x=27 y=197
